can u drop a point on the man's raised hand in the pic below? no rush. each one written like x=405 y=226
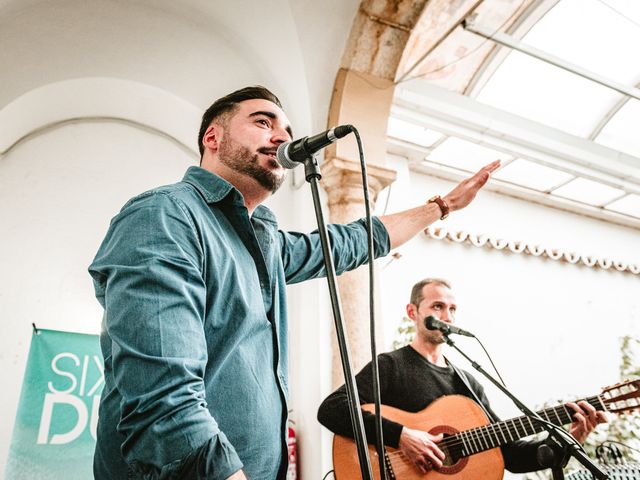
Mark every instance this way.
x=466 y=191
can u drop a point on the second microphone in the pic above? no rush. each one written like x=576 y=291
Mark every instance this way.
x=432 y=323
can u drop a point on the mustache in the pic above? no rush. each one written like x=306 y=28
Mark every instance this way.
x=268 y=150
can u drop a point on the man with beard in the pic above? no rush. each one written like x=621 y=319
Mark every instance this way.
x=192 y=279
x=414 y=376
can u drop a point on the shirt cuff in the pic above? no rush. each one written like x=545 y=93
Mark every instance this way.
x=216 y=459
x=392 y=432
x=381 y=236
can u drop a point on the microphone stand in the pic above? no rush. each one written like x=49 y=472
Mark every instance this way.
x=548 y=457
x=312 y=175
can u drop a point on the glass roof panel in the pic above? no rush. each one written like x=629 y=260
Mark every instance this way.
x=542 y=92
x=589 y=192
x=622 y=131
x=546 y=94
x=532 y=175
x=411 y=132
x=629 y=205
x=464 y=155
x=599 y=35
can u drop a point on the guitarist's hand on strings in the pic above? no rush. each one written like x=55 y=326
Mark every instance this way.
x=585 y=420
x=421 y=448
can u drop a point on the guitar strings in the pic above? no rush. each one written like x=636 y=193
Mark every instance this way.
x=406 y=467
x=483 y=437
x=455 y=444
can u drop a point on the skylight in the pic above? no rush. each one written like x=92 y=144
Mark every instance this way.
x=589 y=192
x=565 y=140
x=532 y=175
x=411 y=132
x=629 y=205
x=458 y=153
x=622 y=132
x=597 y=35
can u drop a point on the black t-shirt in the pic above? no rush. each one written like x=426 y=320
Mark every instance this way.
x=410 y=382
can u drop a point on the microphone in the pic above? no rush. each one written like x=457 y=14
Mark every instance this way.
x=432 y=323
x=290 y=154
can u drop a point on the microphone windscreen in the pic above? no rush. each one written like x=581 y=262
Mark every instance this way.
x=430 y=323
x=282 y=158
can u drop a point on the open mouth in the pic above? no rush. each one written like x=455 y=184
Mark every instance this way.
x=268 y=151
x=271 y=154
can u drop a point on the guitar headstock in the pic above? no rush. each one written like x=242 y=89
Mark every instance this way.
x=622 y=397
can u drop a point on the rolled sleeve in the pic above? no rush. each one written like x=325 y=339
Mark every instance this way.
x=149 y=269
x=303 y=258
x=215 y=460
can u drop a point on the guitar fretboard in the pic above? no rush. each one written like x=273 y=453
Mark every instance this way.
x=490 y=436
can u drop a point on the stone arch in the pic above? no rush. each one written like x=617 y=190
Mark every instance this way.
x=362 y=95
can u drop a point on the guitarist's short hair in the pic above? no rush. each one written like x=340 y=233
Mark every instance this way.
x=416 y=291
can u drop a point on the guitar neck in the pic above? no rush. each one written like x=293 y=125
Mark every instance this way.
x=496 y=434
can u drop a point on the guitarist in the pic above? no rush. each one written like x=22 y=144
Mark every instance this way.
x=415 y=375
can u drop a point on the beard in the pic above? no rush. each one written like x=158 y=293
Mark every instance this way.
x=240 y=159
x=433 y=337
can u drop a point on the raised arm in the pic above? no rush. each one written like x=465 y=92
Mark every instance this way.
x=403 y=226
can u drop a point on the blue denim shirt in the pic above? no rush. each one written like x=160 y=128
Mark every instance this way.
x=194 y=333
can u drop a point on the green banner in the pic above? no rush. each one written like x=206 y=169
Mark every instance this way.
x=55 y=429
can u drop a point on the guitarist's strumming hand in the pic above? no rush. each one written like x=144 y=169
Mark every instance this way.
x=421 y=448
x=585 y=420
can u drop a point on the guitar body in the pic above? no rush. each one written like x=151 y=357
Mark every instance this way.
x=448 y=415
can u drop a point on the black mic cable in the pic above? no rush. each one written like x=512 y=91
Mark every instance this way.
x=372 y=316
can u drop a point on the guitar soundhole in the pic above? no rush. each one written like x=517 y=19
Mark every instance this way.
x=453 y=463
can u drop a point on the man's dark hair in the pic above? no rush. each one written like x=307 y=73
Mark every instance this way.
x=416 y=291
x=229 y=103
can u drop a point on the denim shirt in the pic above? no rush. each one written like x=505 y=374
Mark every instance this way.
x=194 y=334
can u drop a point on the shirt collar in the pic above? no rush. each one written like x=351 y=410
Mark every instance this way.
x=212 y=187
x=215 y=188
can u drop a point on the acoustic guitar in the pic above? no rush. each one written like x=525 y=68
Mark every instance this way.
x=470 y=441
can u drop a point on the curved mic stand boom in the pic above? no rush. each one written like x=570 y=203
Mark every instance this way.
x=312 y=175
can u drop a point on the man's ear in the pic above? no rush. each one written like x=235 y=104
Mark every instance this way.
x=211 y=138
x=412 y=311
